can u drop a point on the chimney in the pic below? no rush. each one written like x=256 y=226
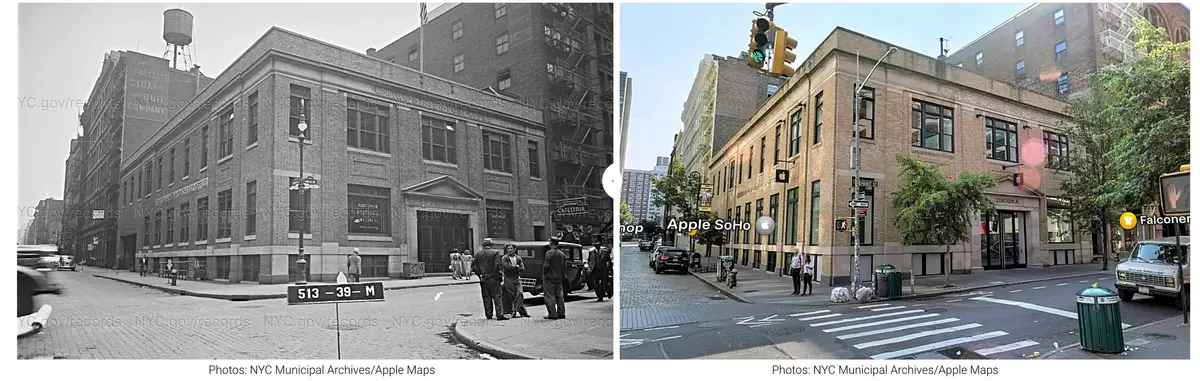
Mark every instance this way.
x=371 y=51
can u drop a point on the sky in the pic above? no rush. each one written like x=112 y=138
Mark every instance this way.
x=663 y=66
x=61 y=48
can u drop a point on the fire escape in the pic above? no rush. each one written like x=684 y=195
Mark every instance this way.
x=577 y=146
x=1117 y=40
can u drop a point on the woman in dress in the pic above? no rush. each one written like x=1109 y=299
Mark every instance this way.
x=455 y=264
x=467 y=259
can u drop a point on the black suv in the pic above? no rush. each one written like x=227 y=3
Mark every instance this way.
x=645 y=245
x=669 y=258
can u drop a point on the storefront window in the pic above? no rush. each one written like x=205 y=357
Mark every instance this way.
x=1058 y=227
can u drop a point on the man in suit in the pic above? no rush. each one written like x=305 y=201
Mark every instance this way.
x=554 y=274
x=486 y=264
x=354 y=266
x=600 y=263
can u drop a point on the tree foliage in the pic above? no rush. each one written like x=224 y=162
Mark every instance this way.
x=931 y=209
x=677 y=190
x=626 y=215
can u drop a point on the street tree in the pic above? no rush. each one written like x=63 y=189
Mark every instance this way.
x=931 y=209
x=677 y=192
x=626 y=215
x=650 y=228
x=711 y=237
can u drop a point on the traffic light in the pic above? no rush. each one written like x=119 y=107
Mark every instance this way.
x=783 y=56
x=756 y=57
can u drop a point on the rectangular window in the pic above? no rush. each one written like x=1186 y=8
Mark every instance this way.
x=866 y=113
x=1058 y=226
x=774 y=217
x=778 y=127
x=224 y=208
x=459 y=63
x=148 y=178
x=369 y=209
x=814 y=215
x=300 y=107
x=1064 y=83
x=252 y=119
x=535 y=160
x=367 y=126
x=202 y=219
x=497 y=152
x=771 y=89
x=171 y=167
x=741 y=164
x=794 y=134
x=171 y=225
x=500 y=219
x=185 y=212
x=1060 y=51
x=1057 y=153
x=730 y=182
x=750 y=165
x=758 y=213
x=762 y=154
x=187 y=157
x=746 y=218
x=1059 y=17
x=979 y=59
x=501 y=10
x=1020 y=68
x=817 y=116
x=298 y=210
x=438 y=142
x=502 y=43
x=1001 y=137
x=456 y=31
x=158 y=228
x=413 y=53
x=933 y=126
x=160 y=173
x=146 y=234
x=225 y=135
x=737 y=213
x=504 y=80
x=251 y=208
x=1020 y=37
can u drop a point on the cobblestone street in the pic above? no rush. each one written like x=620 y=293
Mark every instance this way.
x=103 y=319
x=641 y=287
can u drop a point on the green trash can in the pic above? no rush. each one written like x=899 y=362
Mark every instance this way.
x=887 y=284
x=1100 y=320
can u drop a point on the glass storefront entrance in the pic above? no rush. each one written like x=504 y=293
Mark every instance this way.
x=1003 y=236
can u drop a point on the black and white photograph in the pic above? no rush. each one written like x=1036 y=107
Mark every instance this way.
x=315 y=181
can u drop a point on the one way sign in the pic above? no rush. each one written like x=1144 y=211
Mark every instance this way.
x=749 y=320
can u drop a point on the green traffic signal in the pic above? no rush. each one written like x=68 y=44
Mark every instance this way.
x=758 y=55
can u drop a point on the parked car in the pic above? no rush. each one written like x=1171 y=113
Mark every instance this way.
x=66 y=262
x=35 y=264
x=645 y=245
x=533 y=254
x=669 y=258
x=1152 y=269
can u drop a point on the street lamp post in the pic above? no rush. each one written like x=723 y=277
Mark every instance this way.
x=695 y=177
x=301 y=264
x=856 y=160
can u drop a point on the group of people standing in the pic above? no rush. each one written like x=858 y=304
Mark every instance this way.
x=460 y=264
x=500 y=279
x=802 y=275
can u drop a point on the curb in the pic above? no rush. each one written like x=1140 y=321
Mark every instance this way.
x=1126 y=330
x=728 y=293
x=486 y=347
x=906 y=296
x=249 y=297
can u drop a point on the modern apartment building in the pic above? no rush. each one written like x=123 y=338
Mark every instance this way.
x=557 y=57
x=1052 y=48
x=952 y=117
x=637 y=188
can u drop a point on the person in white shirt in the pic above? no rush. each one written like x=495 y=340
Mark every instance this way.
x=808 y=277
x=797 y=271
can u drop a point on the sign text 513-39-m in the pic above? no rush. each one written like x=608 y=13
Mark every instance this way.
x=335 y=293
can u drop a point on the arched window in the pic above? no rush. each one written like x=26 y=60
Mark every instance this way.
x=1153 y=16
x=1181 y=35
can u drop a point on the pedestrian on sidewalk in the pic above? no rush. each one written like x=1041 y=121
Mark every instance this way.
x=808 y=276
x=487 y=266
x=797 y=272
x=455 y=264
x=354 y=266
x=143 y=266
x=601 y=269
x=514 y=293
x=466 y=262
x=554 y=274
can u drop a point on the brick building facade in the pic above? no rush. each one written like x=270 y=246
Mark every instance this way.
x=914 y=105
x=399 y=158
x=557 y=57
x=1065 y=42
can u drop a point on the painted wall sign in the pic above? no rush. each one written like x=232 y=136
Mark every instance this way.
x=445 y=107
x=199 y=184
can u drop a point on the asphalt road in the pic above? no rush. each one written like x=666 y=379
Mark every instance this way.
x=1000 y=323
x=103 y=319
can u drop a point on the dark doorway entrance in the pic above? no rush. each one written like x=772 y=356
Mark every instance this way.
x=129 y=249
x=1003 y=239
x=437 y=234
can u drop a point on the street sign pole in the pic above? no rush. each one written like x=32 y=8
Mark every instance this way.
x=337 y=294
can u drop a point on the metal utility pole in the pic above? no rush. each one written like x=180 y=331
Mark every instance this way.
x=856 y=161
x=421 y=40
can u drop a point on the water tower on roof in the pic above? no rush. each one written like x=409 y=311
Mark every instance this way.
x=177 y=32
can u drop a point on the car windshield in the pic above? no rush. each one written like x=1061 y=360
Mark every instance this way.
x=673 y=253
x=1156 y=253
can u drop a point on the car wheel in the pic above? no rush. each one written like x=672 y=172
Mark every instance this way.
x=24 y=297
x=1125 y=295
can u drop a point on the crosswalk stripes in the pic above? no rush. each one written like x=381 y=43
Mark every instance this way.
x=886 y=331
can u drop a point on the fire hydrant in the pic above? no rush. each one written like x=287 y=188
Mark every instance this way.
x=174 y=277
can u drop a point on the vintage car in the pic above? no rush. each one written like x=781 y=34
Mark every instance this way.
x=35 y=264
x=533 y=254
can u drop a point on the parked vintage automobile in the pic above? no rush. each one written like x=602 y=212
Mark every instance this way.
x=35 y=266
x=533 y=254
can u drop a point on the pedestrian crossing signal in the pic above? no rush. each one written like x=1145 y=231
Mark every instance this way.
x=843 y=224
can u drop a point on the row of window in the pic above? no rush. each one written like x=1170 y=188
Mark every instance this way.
x=1060 y=53
x=932 y=128
x=439 y=143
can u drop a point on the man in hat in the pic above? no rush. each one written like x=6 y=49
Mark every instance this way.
x=354 y=266
x=554 y=274
x=486 y=264
x=601 y=267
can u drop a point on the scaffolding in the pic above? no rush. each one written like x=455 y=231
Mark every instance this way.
x=1117 y=39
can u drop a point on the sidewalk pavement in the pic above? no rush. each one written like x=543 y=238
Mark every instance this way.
x=1167 y=339
x=585 y=334
x=244 y=291
x=757 y=286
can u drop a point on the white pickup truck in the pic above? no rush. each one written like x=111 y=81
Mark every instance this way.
x=1152 y=269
